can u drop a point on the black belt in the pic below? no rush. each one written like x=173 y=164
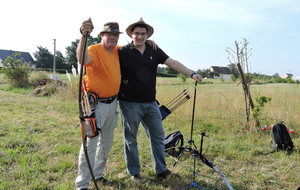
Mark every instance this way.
x=107 y=100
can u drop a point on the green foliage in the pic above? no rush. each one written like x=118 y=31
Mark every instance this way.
x=233 y=77
x=233 y=69
x=40 y=141
x=207 y=73
x=71 y=53
x=260 y=103
x=261 y=77
x=162 y=72
x=182 y=78
x=278 y=79
x=14 y=89
x=256 y=78
x=249 y=78
x=93 y=41
x=44 y=59
x=166 y=75
x=16 y=70
x=71 y=50
x=60 y=62
x=169 y=70
x=289 y=79
x=37 y=76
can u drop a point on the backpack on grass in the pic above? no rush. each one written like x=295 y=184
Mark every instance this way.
x=173 y=141
x=281 y=139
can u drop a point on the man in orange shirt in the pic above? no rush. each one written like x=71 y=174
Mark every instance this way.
x=102 y=78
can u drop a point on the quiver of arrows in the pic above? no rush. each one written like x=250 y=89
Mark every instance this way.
x=180 y=99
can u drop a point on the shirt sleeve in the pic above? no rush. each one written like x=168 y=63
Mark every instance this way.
x=162 y=56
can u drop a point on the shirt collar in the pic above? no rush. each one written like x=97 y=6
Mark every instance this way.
x=131 y=46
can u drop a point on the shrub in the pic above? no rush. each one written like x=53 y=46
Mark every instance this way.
x=182 y=78
x=261 y=101
x=35 y=77
x=233 y=77
x=16 y=70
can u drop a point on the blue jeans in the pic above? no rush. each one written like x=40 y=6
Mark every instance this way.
x=132 y=115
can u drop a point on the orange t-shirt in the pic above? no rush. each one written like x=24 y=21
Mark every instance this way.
x=103 y=75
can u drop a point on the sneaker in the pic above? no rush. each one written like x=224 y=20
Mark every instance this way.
x=102 y=181
x=166 y=175
x=136 y=178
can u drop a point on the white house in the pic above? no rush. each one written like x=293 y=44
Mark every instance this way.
x=24 y=55
x=287 y=75
x=224 y=72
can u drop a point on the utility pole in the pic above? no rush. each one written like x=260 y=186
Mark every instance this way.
x=54 y=55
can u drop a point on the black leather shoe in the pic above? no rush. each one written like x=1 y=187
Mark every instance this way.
x=167 y=174
x=136 y=178
x=102 y=181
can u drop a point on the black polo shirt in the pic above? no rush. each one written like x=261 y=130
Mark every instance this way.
x=138 y=73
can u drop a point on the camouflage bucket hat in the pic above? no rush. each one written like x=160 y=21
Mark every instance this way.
x=111 y=27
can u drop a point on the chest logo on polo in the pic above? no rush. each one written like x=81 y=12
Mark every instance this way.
x=150 y=58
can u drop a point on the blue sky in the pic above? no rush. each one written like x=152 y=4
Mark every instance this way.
x=194 y=32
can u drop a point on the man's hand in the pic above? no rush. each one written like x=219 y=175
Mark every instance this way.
x=197 y=77
x=152 y=44
x=87 y=27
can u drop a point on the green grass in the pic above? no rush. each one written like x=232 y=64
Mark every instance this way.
x=40 y=139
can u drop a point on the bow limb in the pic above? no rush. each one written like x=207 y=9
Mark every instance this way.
x=81 y=115
x=81 y=50
x=83 y=131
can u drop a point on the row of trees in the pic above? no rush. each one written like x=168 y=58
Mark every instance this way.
x=44 y=58
x=250 y=77
x=17 y=71
x=203 y=72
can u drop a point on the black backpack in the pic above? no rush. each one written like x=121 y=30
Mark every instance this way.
x=171 y=142
x=281 y=139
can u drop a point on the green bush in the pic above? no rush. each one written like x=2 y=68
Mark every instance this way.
x=16 y=70
x=182 y=78
x=260 y=103
x=233 y=77
x=37 y=76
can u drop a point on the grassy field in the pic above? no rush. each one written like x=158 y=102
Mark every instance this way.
x=40 y=139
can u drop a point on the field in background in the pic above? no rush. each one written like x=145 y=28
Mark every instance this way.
x=40 y=139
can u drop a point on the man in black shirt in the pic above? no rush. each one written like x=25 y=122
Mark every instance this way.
x=139 y=64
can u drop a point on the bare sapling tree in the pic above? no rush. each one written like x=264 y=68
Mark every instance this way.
x=240 y=57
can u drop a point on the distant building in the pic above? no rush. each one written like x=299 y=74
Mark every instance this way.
x=24 y=55
x=287 y=75
x=223 y=72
